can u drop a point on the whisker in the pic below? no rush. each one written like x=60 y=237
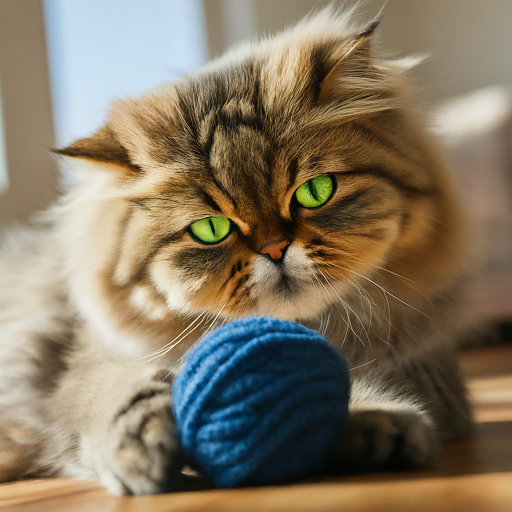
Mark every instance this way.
x=364 y=364
x=345 y=306
x=171 y=342
x=329 y=299
x=383 y=340
x=212 y=324
x=388 y=308
x=205 y=333
x=410 y=282
x=384 y=290
x=177 y=342
x=363 y=294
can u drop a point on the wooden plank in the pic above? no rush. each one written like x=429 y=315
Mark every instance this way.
x=15 y=493
x=474 y=493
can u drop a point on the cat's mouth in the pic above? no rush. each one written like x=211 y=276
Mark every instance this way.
x=278 y=283
x=286 y=278
x=287 y=285
x=287 y=290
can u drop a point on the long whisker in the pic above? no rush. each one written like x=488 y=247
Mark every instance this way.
x=212 y=323
x=329 y=298
x=362 y=292
x=177 y=342
x=162 y=349
x=347 y=307
x=388 y=308
x=337 y=295
x=383 y=289
x=364 y=364
x=205 y=333
x=410 y=282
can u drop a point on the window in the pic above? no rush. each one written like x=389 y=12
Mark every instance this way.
x=100 y=50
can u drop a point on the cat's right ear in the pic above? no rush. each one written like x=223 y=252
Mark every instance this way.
x=103 y=147
x=349 y=65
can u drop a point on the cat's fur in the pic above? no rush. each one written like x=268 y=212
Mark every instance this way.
x=111 y=275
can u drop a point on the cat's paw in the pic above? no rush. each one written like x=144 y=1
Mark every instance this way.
x=380 y=439
x=143 y=454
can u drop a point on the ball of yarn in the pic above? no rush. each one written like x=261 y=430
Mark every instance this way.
x=260 y=401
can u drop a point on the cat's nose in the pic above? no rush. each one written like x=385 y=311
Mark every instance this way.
x=275 y=250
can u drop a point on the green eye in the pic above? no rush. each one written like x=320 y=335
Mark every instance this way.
x=211 y=230
x=315 y=192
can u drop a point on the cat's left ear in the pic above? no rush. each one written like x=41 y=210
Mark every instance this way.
x=102 y=147
x=349 y=65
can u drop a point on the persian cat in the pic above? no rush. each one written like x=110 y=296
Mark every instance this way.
x=292 y=178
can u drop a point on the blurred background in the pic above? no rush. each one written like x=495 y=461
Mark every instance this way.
x=63 y=61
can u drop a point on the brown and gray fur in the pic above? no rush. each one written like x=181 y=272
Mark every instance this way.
x=102 y=299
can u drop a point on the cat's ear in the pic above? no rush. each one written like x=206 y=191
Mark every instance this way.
x=348 y=65
x=102 y=147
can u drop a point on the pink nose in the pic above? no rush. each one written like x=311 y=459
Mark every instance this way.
x=275 y=250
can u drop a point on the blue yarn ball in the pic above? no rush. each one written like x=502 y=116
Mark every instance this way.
x=260 y=401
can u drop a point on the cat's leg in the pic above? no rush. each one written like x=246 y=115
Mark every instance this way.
x=396 y=421
x=112 y=421
x=384 y=429
x=437 y=381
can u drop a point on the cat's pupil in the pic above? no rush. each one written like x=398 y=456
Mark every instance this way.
x=312 y=189
x=212 y=227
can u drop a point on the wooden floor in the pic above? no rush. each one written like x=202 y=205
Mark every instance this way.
x=473 y=475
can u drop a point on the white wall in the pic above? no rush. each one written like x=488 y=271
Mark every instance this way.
x=100 y=50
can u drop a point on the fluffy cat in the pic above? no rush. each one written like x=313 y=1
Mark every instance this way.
x=289 y=178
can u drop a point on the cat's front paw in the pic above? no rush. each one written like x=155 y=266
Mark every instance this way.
x=379 y=439
x=143 y=454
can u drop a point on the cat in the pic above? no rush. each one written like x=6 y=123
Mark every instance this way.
x=292 y=177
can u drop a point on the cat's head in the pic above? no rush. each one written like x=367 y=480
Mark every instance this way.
x=275 y=182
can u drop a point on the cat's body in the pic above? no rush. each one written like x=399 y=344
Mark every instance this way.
x=91 y=300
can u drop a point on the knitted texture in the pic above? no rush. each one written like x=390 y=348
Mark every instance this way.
x=260 y=401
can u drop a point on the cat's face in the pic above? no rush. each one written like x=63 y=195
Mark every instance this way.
x=249 y=196
x=239 y=228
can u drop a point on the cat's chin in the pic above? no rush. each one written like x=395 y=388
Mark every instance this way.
x=309 y=306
